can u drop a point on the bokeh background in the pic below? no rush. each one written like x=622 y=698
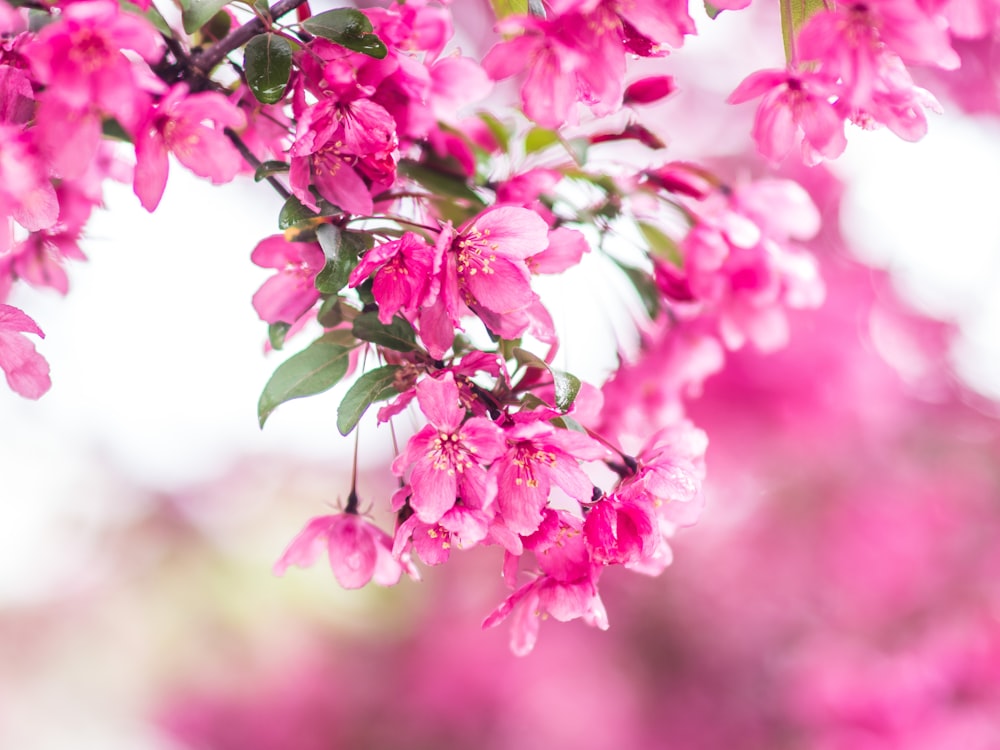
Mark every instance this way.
x=841 y=591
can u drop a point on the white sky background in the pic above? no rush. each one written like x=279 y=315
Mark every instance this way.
x=157 y=358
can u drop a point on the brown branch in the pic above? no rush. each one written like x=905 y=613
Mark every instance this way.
x=237 y=38
x=254 y=162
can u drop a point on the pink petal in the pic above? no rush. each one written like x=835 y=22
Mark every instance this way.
x=352 y=551
x=439 y=401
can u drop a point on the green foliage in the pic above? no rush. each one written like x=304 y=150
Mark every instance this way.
x=315 y=369
x=539 y=139
x=294 y=214
x=349 y=28
x=196 y=13
x=398 y=335
x=794 y=14
x=504 y=8
x=566 y=386
x=267 y=62
x=268 y=168
x=276 y=333
x=661 y=245
x=371 y=387
x=341 y=248
x=649 y=292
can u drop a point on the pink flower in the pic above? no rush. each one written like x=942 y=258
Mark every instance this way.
x=540 y=455
x=26 y=194
x=795 y=106
x=26 y=370
x=483 y=267
x=402 y=274
x=566 y=590
x=447 y=455
x=79 y=60
x=288 y=295
x=176 y=126
x=338 y=145
x=359 y=551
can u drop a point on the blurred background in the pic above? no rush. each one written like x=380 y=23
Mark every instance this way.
x=841 y=591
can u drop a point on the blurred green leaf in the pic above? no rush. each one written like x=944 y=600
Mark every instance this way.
x=276 y=334
x=504 y=8
x=660 y=244
x=196 y=13
x=539 y=139
x=794 y=14
x=649 y=292
x=373 y=386
x=438 y=182
x=268 y=168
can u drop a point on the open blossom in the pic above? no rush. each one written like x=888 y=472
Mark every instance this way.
x=338 y=146
x=795 y=107
x=286 y=296
x=402 y=274
x=483 y=267
x=86 y=76
x=177 y=126
x=566 y=588
x=26 y=370
x=358 y=550
x=447 y=455
x=540 y=456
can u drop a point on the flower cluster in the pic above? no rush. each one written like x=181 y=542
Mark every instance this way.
x=849 y=63
x=417 y=217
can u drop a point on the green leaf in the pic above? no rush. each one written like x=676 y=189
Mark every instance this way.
x=438 y=182
x=794 y=14
x=398 y=335
x=341 y=249
x=712 y=11
x=349 y=28
x=276 y=334
x=373 y=386
x=497 y=128
x=267 y=62
x=649 y=292
x=660 y=244
x=539 y=139
x=293 y=213
x=197 y=13
x=504 y=8
x=568 y=423
x=566 y=386
x=330 y=313
x=111 y=128
x=315 y=369
x=268 y=168
x=152 y=15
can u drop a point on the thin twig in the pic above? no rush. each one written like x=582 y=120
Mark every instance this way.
x=254 y=162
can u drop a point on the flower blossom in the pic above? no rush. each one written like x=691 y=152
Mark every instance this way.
x=483 y=267
x=26 y=370
x=288 y=295
x=446 y=457
x=358 y=550
x=176 y=126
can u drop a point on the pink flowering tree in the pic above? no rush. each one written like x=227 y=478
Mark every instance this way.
x=421 y=206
